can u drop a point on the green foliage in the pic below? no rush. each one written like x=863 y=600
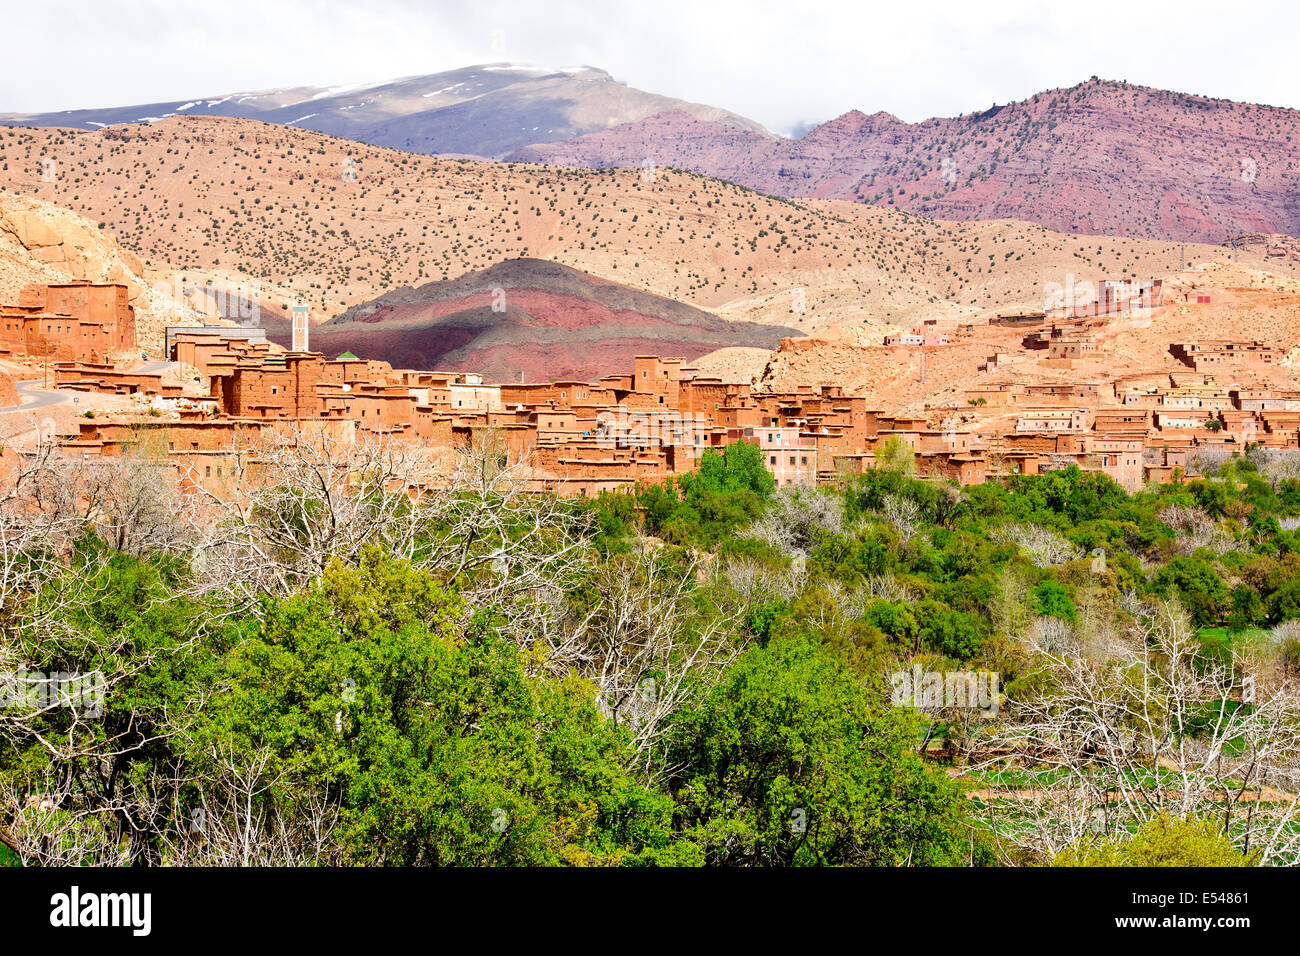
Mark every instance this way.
x=1197 y=585
x=700 y=509
x=945 y=631
x=1162 y=841
x=442 y=750
x=896 y=455
x=444 y=736
x=791 y=761
x=737 y=468
x=1051 y=599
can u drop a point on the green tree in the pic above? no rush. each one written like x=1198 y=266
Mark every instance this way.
x=791 y=761
x=437 y=745
x=1051 y=599
x=894 y=454
x=1198 y=585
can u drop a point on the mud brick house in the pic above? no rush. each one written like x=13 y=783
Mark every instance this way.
x=1127 y=295
x=88 y=377
x=1074 y=393
x=195 y=345
x=917 y=337
x=1053 y=420
x=1264 y=400
x=1210 y=355
x=964 y=469
x=1071 y=347
x=790 y=455
x=1181 y=418
x=469 y=392
x=653 y=422
x=1112 y=296
x=1121 y=458
x=998 y=395
x=657 y=377
x=274 y=386
x=380 y=408
x=78 y=322
x=1125 y=421
x=1207 y=396
x=1135 y=398
x=1163 y=464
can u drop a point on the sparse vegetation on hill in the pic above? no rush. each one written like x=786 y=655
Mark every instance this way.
x=272 y=203
x=1100 y=157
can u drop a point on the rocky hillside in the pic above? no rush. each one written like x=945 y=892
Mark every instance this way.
x=1099 y=158
x=44 y=243
x=530 y=318
x=210 y=196
x=488 y=110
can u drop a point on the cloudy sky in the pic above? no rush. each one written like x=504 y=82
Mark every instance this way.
x=786 y=64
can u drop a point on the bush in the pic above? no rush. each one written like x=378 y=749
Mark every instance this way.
x=1163 y=841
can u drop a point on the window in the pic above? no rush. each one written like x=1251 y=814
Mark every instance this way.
x=773 y=459
x=792 y=459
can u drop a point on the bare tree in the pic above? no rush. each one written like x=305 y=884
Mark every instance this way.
x=904 y=514
x=795 y=517
x=300 y=497
x=1103 y=745
x=1196 y=529
x=239 y=819
x=1042 y=546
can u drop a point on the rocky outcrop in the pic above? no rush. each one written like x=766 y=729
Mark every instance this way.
x=8 y=393
x=41 y=243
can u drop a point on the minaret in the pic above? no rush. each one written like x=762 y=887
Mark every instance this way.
x=300 y=326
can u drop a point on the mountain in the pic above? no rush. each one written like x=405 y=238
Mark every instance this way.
x=208 y=195
x=528 y=317
x=485 y=111
x=1099 y=158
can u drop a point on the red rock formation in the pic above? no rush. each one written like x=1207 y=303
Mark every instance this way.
x=529 y=316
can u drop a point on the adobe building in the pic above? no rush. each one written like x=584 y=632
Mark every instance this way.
x=72 y=322
x=1211 y=355
x=653 y=422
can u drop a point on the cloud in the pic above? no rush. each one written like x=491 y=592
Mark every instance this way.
x=783 y=64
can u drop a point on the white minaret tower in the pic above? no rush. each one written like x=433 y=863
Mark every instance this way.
x=300 y=326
